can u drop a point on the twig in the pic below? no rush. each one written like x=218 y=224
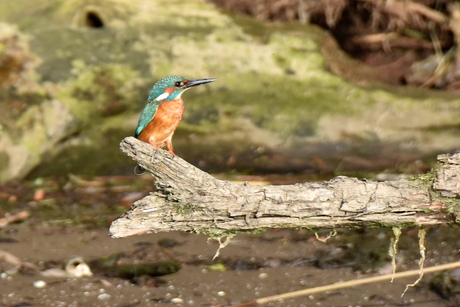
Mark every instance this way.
x=14 y=218
x=401 y=8
x=394 y=40
x=9 y=258
x=376 y=38
x=348 y=284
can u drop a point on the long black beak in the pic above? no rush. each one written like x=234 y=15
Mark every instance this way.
x=196 y=82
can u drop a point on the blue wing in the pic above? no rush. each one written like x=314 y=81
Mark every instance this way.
x=146 y=116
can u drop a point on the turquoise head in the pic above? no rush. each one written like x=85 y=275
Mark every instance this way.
x=172 y=87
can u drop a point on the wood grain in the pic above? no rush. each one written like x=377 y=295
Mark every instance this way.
x=188 y=199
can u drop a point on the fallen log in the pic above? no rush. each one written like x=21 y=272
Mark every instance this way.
x=188 y=199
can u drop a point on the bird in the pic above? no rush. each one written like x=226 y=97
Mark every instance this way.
x=163 y=112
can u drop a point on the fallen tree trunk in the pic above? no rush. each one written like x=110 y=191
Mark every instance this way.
x=188 y=199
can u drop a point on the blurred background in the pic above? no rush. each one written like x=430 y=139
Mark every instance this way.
x=306 y=90
x=313 y=87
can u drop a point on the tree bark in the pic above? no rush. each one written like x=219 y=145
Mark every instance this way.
x=188 y=199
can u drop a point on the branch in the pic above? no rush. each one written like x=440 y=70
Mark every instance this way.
x=188 y=199
x=403 y=9
x=392 y=40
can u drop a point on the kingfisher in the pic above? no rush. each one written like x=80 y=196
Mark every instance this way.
x=164 y=111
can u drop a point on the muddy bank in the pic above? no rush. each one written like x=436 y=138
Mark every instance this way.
x=69 y=217
x=252 y=266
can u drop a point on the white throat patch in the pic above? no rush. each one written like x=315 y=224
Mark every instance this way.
x=161 y=97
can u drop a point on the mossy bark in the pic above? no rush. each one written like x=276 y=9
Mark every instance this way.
x=188 y=199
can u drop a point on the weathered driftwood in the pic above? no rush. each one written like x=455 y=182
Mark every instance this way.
x=188 y=199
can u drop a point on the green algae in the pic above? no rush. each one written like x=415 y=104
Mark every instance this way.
x=111 y=266
x=185 y=209
x=102 y=91
x=4 y=160
x=285 y=105
x=426 y=179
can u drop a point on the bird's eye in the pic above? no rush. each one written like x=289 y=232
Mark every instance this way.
x=179 y=84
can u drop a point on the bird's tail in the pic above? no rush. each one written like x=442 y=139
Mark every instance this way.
x=139 y=170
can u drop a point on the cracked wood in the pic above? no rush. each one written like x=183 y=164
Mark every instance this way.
x=188 y=199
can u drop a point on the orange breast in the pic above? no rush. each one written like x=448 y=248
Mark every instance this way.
x=164 y=123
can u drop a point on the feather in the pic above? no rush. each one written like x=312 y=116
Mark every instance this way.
x=146 y=116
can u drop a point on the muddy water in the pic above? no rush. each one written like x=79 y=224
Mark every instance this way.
x=70 y=217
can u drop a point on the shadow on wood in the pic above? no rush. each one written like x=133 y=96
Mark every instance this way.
x=188 y=199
